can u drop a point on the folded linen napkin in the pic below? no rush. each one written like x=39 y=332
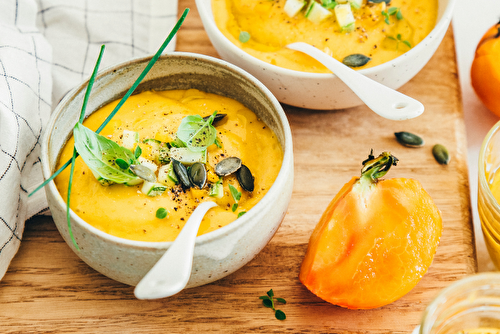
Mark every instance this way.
x=46 y=48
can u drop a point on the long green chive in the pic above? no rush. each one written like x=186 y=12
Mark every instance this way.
x=80 y=120
x=127 y=95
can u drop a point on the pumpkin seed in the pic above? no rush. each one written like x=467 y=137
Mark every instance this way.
x=217 y=118
x=245 y=178
x=143 y=172
x=441 y=154
x=198 y=174
x=356 y=60
x=181 y=173
x=409 y=139
x=227 y=166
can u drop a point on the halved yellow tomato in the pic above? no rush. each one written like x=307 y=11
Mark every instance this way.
x=374 y=242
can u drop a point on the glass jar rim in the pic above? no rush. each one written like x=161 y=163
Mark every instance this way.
x=476 y=281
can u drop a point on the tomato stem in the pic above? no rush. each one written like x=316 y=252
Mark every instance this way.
x=375 y=168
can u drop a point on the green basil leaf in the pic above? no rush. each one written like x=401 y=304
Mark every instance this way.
x=137 y=152
x=270 y=293
x=122 y=163
x=100 y=155
x=196 y=133
x=281 y=300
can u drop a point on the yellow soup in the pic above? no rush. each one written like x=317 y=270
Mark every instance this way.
x=490 y=219
x=127 y=212
x=481 y=330
x=381 y=32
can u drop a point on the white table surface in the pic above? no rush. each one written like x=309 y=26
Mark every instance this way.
x=470 y=21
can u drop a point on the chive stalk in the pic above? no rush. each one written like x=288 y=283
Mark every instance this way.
x=75 y=153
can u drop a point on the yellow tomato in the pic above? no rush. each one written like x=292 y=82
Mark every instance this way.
x=485 y=69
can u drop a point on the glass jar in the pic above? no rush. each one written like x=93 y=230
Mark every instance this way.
x=488 y=207
x=470 y=305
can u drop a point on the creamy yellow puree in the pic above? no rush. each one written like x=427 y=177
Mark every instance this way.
x=127 y=212
x=489 y=222
x=271 y=29
x=481 y=330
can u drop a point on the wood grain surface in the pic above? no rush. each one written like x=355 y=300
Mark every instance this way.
x=49 y=289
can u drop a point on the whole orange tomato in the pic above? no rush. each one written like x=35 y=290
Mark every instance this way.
x=485 y=69
x=374 y=242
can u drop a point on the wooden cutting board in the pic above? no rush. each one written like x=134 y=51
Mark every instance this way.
x=49 y=289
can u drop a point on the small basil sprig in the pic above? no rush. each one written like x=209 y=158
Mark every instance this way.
x=196 y=133
x=236 y=196
x=103 y=156
x=268 y=301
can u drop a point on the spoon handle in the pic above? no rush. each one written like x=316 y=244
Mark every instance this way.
x=172 y=271
x=383 y=100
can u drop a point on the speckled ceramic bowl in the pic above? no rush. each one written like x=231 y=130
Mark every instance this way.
x=218 y=253
x=321 y=90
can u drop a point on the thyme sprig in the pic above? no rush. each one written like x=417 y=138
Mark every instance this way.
x=398 y=40
x=268 y=301
x=394 y=11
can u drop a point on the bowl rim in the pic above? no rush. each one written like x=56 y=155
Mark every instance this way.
x=274 y=190
x=207 y=17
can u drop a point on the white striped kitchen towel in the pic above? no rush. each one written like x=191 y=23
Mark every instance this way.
x=46 y=48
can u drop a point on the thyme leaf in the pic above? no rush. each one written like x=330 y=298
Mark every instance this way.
x=161 y=213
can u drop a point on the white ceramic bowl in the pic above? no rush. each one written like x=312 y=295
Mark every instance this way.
x=321 y=90
x=218 y=253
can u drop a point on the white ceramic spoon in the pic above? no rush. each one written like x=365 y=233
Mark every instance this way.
x=383 y=100
x=172 y=271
